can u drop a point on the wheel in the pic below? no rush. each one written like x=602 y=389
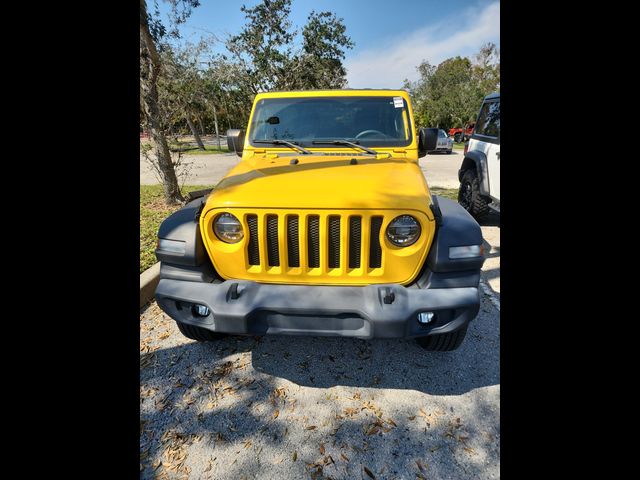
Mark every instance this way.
x=449 y=152
x=469 y=195
x=445 y=342
x=457 y=137
x=198 y=333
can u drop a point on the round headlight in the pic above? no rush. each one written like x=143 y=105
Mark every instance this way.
x=403 y=231
x=228 y=228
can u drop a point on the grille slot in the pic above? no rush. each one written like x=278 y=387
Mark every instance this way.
x=293 y=241
x=273 y=252
x=313 y=241
x=253 y=249
x=334 y=241
x=355 y=238
x=375 y=250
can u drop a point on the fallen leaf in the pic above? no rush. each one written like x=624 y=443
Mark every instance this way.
x=276 y=413
x=295 y=455
x=368 y=472
x=312 y=427
x=412 y=418
x=321 y=449
x=344 y=457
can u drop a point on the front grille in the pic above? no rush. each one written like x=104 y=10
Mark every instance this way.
x=252 y=246
x=334 y=241
x=313 y=236
x=273 y=251
x=293 y=241
x=355 y=234
x=375 y=251
x=315 y=242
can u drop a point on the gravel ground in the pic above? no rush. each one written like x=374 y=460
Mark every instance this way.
x=318 y=407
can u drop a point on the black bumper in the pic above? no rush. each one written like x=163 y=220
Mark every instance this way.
x=362 y=312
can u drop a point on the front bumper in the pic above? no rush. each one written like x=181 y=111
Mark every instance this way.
x=373 y=311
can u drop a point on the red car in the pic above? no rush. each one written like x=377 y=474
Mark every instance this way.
x=461 y=135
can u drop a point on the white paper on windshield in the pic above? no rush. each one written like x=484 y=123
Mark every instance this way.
x=397 y=102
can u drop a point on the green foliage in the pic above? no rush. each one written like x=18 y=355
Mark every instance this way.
x=267 y=54
x=271 y=59
x=450 y=94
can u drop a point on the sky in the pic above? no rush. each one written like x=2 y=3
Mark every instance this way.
x=391 y=37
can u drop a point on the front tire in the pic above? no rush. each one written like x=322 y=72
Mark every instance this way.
x=198 y=333
x=457 y=137
x=449 y=152
x=445 y=342
x=469 y=196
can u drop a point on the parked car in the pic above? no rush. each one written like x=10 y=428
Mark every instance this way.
x=479 y=174
x=325 y=227
x=444 y=143
x=462 y=134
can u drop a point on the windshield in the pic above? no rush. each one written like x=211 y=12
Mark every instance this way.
x=442 y=134
x=369 y=121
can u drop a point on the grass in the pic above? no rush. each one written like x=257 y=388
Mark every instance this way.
x=458 y=146
x=450 y=193
x=152 y=212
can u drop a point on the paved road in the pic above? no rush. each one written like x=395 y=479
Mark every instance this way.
x=302 y=407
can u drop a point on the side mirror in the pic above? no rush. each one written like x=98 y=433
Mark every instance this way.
x=235 y=140
x=427 y=141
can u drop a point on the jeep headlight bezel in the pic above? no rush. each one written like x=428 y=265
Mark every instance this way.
x=403 y=231
x=228 y=228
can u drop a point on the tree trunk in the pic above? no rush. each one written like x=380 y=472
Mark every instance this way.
x=201 y=126
x=149 y=70
x=194 y=132
x=215 y=122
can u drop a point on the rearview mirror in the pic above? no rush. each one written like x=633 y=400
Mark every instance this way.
x=427 y=141
x=235 y=140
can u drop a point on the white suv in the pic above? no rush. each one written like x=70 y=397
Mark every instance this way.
x=480 y=172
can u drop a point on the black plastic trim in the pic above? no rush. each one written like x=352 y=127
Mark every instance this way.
x=458 y=229
x=183 y=226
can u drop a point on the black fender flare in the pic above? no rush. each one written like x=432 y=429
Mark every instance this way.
x=478 y=160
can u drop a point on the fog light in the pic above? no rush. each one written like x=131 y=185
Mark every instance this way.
x=425 y=317
x=200 y=310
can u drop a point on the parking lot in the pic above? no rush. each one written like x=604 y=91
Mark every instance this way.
x=319 y=407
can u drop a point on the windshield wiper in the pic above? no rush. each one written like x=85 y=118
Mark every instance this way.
x=344 y=142
x=284 y=142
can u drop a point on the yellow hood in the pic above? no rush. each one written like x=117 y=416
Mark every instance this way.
x=319 y=182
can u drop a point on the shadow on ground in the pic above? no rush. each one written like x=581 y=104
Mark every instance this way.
x=243 y=406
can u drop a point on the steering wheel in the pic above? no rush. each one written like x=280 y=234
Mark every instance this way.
x=369 y=132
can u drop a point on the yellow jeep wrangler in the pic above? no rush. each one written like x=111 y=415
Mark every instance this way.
x=325 y=227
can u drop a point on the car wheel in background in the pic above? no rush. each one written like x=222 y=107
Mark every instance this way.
x=469 y=195
x=457 y=137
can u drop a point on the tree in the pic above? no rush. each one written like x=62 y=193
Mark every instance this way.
x=450 y=94
x=324 y=44
x=270 y=60
x=152 y=30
